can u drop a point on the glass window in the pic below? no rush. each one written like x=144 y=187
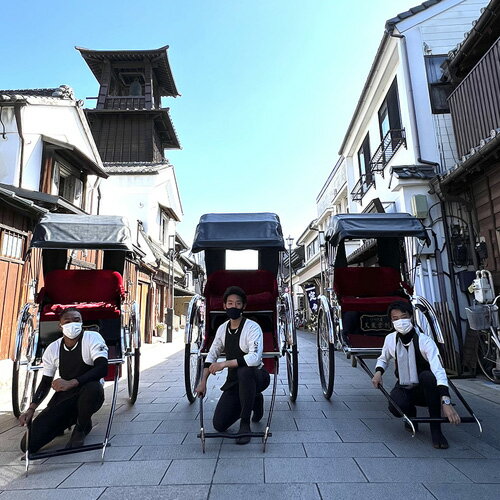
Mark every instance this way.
x=439 y=88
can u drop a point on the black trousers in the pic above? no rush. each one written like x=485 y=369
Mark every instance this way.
x=57 y=417
x=424 y=394
x=238 y=401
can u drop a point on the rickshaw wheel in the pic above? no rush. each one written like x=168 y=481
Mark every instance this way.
x=288 y=339
x=326 y=352
x=133 y=356
x=292 y=370
x=23 y=379
x=193 y=366
x=487 y=353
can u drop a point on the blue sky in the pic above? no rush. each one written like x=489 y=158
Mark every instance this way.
x=268 y=86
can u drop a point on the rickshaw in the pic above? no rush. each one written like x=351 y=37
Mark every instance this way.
x=97 y=292
x=352 y=317
x=268 y=302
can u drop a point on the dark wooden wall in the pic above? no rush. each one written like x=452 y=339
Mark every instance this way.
x=12 y=289
x=486 y=194
x=475 y=103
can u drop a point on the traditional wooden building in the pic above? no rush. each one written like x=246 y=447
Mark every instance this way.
x=132 y=130
x=471 y=188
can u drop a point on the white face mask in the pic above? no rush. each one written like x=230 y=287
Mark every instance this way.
x=72 y=330
x=403 y=326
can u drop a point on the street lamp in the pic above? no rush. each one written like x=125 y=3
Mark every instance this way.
x=289 y=241
x=170 y=310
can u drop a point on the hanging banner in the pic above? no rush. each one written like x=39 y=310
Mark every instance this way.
x=311 y=295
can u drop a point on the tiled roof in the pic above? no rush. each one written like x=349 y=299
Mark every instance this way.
x=390 y=23
x=61 y=92
x=135 y=167
x=414 y=171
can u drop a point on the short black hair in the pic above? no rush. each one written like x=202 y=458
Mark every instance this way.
x=235 y=290
x=69 y=310
x=400 y=305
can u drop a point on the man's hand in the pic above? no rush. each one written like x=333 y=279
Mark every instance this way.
x=61 y=385
x=217 y=367
x=201 y=389
x=377 y=379
x=26 y=417
x=450 y=413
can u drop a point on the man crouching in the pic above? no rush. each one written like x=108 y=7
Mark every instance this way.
x=82 y=359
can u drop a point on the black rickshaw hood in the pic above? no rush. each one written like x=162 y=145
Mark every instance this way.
x=238 y=231
x=102 y=232
x=364 y=226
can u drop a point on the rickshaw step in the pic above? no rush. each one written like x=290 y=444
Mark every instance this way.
x=230 y=435
x=441 y=420
x=64 y=451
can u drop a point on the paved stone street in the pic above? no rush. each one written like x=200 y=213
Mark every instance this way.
x=349 y=447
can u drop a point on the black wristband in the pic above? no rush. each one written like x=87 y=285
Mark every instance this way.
x=206 y=365
x=379 y=369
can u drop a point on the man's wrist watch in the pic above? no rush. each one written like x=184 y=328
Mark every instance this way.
x=445 y=400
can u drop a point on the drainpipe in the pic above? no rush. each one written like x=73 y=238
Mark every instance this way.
x=17 y=114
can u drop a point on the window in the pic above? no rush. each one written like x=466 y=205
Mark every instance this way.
x=439 y=89
x=312 y=249
x=364 y=159
x=11 y=244
x=389 y=117
x=164 y=219
x=67 y=183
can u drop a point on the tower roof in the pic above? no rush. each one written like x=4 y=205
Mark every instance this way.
x=158 y=57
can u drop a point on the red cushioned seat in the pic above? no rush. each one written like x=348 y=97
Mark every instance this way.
x=96 y=293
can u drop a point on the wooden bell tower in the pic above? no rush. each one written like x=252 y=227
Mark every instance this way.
x=128 y=122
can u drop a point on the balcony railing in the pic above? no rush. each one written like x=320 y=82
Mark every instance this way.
x=392 y=141
x=475 y=103
x=125 y=102
x=362 y=186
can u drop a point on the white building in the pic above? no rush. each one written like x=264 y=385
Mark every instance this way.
x=47 y=151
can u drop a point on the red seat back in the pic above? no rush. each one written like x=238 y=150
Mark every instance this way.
x=260 y=286
x=67 y=286
x=366 y=281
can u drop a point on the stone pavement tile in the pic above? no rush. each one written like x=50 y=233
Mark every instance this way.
x=303 y=414
x=375 y=414
x=410 y=470
x=165 y=417
x=54 y=494
x=330 y=424
x=166 y=400
x=312 y=470
x=369 y=436
x=254 y=449
x=367 y=405
x=147 y=439
x=194 y=471
x=461 y=491
x=480 y=471
x=11 y=457
x=181 y=492
x=304 y=437
x=129 y=427
x=113 y=454
x=239 y=470
x=118 y=474
x=423 y=448
x=319 y=405
x=175 y=451
x=149 y=408
x=320 y=450
x=300 y=398
x=177 y=426
x=387 y=491
x=12 y=477
x=264 y=491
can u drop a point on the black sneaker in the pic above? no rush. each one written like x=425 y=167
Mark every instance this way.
x=77 y=437
x=258 y=408
x=244 y=429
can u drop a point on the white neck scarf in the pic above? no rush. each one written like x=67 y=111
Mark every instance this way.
x=407 y=365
